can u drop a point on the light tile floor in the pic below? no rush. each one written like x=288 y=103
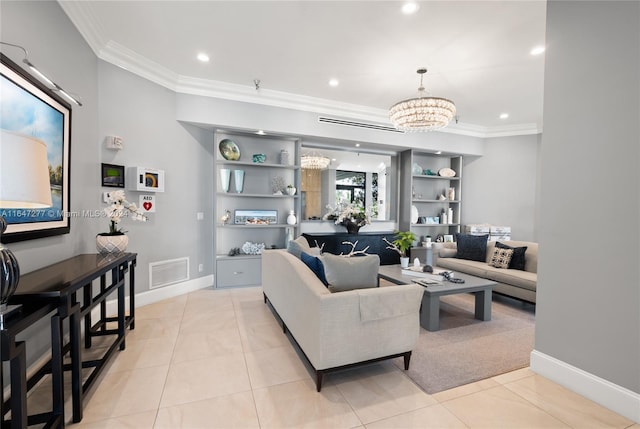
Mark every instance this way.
x=219 y=359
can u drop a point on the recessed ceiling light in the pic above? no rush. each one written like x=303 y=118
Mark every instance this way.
x=333 y=159
x=504 y=115
x=334 y=82
x=357 y=144
x=439 y=152
x=203 y=57
x=410 y=7
x=537 y=50
x=260 y=132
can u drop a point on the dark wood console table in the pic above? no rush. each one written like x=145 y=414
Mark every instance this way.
x=59 y=285
x=333 y=244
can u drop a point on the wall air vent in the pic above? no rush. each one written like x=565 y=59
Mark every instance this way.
x=358 y=124
x=165 y=273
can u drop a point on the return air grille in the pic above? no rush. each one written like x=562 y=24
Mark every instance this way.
x=358 y=124
x=164 y=273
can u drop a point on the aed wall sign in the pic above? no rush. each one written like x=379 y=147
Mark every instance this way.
x=148 y=203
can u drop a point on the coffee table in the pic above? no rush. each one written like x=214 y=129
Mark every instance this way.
x=430 y=310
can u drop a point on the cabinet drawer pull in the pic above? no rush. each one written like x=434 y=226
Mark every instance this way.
x=238 y=272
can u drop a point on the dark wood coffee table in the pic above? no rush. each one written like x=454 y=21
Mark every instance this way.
x=430 y=310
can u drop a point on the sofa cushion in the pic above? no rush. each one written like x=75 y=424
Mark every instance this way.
x=521 y=279
x=475 y=268
x=501 y=258
x=299 y=245
x=517 y=260
x=315 y=264
x=472 y=247
x=345 y=273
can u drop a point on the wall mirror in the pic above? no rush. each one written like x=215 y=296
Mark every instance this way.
x=358 y=178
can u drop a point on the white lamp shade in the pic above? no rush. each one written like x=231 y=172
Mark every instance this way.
x=24 y=172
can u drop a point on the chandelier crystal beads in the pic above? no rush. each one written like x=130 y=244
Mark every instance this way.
x=422 y=113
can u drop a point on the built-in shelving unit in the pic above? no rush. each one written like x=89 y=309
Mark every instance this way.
x=257 y=194
x=423 y=192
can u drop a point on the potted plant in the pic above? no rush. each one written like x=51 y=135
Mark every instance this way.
x=402 y=242
x=115 y=240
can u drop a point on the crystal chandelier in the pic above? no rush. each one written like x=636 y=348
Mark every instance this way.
x=422 y=113
x=314 y=161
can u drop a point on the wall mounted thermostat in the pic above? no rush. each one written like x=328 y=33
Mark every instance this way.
x=145 y=179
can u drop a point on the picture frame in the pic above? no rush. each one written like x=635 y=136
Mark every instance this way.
x=432 y=220
x=112 y=175
x=448 y=238
x=30 y=108
x=255 y=217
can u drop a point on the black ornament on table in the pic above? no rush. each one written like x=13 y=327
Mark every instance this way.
x=9 y=273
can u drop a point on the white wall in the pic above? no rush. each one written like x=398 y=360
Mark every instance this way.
x=499 y=188
x=143 y=114
x=588 y=312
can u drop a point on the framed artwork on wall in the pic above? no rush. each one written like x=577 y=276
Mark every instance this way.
x=32 y=112
x=112 y=175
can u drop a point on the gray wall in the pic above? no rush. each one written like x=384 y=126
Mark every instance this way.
x=143 y=114
x=588 y=312
x=499 y=188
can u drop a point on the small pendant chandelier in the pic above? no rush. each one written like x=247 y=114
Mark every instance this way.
x=422 y=113
x=314 y=161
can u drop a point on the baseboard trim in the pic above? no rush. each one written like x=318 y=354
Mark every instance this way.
x=616 y=398
x=155 y=295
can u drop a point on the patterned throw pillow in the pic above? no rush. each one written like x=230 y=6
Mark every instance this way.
x=501 y=258
x=517 y=260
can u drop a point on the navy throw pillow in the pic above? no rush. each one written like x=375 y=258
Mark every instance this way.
x=315 y=265
x=517 y=260
x=472 y=247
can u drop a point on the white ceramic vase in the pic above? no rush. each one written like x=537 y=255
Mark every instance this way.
x=238 y=176
x=111 y=243
x=291 y=219
x=404 y=262
x=291 y=191
x=225 y=179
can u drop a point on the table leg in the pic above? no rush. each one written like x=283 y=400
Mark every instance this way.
x=57 y=378
x=76 y=364
x=132 y=294
x=87 y=302
x=430 y=312
x=121 y=316
x=18 y=399
x=483 y=305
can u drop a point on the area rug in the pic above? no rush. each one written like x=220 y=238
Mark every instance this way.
x=465 y=349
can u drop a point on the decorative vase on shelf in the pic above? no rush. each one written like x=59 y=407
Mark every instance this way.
x=112 y=243
x=291 y=190
x=352 y=227
x=238 y=176
x=284 y=157
x=225 y=179
x=291 y=219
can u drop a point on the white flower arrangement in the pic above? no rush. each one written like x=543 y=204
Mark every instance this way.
x=345 y=213
x=119 y=208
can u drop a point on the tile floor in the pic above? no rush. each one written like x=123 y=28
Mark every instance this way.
x=218 y=359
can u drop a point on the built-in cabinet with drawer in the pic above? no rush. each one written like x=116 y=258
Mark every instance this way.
x=431 y=202
x=244 y=186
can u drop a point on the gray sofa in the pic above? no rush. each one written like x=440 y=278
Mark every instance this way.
x=511 y=282
x=338 y=330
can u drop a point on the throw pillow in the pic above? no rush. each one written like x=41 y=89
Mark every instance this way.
x=472 y=247
x=350 y=273
x=501 y=257
x=517 y=260
x=315 y=265
x=297 y=246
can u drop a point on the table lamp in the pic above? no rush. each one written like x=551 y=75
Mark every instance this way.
x=24 y=184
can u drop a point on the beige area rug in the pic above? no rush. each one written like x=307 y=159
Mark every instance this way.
x=465 y=349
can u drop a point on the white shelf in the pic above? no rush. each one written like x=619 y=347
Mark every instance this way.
x=245 y=195
x=424 y=176
x=257 y=164
x=433 y=225
x=436 y=201
x=274 y=225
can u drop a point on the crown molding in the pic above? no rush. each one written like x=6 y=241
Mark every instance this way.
x=121 y=56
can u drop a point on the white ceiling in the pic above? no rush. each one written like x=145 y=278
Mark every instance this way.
x=477 y=53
